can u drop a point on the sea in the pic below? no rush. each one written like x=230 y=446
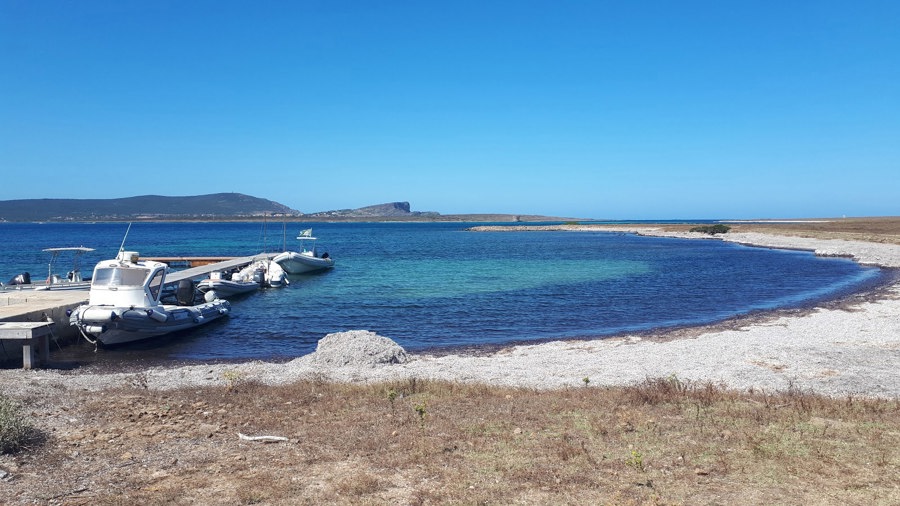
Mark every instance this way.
x=439 y=287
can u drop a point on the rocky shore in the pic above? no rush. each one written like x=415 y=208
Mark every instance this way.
x=851 y=348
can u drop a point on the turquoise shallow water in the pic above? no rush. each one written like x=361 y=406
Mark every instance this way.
x=460 y=277
x=436 y=285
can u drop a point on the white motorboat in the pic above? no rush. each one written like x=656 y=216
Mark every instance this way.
x=71 y=281
x=308 y=259
x=265 y=272
x=238 y=284
x=126 y=302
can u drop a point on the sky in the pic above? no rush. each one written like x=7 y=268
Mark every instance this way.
x=589 y=109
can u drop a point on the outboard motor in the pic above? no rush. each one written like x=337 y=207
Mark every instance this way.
x=20 y=279
x=259 y=276
x=184 y=294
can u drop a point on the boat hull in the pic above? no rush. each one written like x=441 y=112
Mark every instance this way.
x=75 y=285
x=62 y=285
x=298 y=263
x=118 y=325
x=226 y=289
x=267 y=273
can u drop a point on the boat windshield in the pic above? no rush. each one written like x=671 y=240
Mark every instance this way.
x=117 y=276
x=156 y=284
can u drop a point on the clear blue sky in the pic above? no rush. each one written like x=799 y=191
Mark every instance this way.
x=595 y=109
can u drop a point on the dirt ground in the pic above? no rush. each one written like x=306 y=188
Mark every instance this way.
x=418 y=442
x=881 y=230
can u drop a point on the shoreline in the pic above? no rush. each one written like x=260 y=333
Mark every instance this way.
x=848 y=347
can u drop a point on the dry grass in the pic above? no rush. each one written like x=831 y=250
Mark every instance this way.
x=882 y=230
x=420 y=442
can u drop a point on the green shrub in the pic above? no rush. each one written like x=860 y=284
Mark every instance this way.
x=15 y=430
x=712 y=229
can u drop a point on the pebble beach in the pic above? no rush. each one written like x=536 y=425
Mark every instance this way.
x=851 y=348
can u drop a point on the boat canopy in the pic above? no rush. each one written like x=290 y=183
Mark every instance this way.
x=79 y=249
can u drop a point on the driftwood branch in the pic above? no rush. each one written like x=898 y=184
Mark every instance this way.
x=264 y=439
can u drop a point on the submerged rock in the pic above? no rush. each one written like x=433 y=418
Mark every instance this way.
x=358 y=347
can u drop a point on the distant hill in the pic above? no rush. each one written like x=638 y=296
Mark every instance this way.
x=145 y=207
x=220 y=206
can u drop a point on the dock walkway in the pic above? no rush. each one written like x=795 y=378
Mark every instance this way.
x=222 y=265
x=37 y=309
x=37 y=305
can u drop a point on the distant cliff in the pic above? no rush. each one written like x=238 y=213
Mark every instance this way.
x=390 y=210
x=145 y=207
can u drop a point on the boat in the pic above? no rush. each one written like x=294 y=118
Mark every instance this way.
x=226 y=286
x=266 y=272
x=71 y=281
x=308 y=259
x=129 y=302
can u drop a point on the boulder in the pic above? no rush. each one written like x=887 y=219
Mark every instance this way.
x=358 y=347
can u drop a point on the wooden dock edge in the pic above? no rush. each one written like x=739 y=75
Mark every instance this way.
x=34 y=337
x=38 y=307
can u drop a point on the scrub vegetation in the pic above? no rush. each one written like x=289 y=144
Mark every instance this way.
x=16 y=431
x=711 y=229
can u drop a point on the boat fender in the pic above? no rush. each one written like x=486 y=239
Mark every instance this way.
x=157 y=315
x=198 y=319
x=98 y=315
x=95 y=329
x=223 y=310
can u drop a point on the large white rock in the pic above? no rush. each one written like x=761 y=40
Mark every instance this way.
x=358 y=347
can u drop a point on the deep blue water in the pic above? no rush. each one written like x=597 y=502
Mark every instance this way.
x=436 y=285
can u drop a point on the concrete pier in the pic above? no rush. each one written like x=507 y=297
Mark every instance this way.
x=44 y=309
x=34 y=337
x=42 y=306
